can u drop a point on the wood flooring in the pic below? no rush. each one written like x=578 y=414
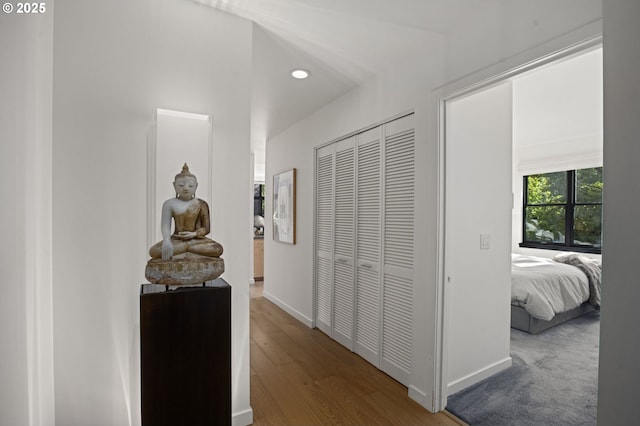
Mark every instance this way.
x=299 y=376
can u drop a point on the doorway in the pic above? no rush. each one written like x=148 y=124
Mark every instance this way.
x=481 y=206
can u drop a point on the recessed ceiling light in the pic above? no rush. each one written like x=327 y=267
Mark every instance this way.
x=300 y=74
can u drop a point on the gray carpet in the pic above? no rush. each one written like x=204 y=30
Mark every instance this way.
x=553 y=380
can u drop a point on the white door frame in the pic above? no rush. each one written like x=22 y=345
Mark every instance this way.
x=562 y=48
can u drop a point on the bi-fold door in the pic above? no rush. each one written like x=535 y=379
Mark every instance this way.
x=368 y=245
x=324 y=228
x=344 y=221
x=364 y=244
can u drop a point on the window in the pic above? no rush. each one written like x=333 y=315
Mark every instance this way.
x=563 y=210
x=258 y=200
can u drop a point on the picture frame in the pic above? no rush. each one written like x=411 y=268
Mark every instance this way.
x=284 y=207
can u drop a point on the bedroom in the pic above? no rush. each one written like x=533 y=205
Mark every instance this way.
x=558 y=128
x=553 y=115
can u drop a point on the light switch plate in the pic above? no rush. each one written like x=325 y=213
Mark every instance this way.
x=485 y=241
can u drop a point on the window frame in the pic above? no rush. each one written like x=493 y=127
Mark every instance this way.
x=569 y=224
x=260 y=199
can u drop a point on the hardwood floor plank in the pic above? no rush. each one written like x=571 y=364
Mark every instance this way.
x=300 y=376
x=263 y=403
x=361 y=412
x=320 y=402
x=260 y=362
x=289 y=400
x=276 y=353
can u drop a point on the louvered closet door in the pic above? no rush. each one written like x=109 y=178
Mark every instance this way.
x=324 y=238
x=398 y=210
x=367 y=327
x=343 y=272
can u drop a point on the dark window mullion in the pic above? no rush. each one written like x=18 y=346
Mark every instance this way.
x=571 y=198
x=525 y=200
x=547 y=205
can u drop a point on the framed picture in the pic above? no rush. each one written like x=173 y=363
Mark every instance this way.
x=284 y=207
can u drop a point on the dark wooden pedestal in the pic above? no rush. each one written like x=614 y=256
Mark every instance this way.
x=185 y=343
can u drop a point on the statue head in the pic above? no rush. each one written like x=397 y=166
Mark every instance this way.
x=185 y=184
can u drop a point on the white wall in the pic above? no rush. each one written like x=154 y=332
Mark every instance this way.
x=478 y=203
x=500 y=36
x=26 y=351
x=114 y=63
x=501 y=30
x=619 y=372
x=289 y=268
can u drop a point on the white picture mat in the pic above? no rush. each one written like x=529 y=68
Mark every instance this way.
x=284 y=209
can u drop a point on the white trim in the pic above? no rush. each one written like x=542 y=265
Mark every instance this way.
x=577 y=41
x=242 y=418
x=477 y=376
x=37 y=261
x=366 y=128
x=151 y=180
x=419 y=396
x=441 y=347
x=210 y=168
x=288 y=309
x=252 y=281
x=314 y=263
x=569 y=44
x=182 y=114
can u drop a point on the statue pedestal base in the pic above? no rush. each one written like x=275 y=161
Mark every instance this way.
x=184 y=269
x=185 y=345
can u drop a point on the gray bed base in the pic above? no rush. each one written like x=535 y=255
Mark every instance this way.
x=521 y=320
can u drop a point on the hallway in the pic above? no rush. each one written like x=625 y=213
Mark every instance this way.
x=299 y=376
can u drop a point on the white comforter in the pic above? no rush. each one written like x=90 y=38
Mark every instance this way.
x=544 y=287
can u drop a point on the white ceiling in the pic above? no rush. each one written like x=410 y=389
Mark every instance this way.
x=560 y=102
x=341 y=42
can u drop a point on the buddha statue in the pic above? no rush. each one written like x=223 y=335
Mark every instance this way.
x=185 y=256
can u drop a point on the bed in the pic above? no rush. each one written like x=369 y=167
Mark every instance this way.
x=547 y=292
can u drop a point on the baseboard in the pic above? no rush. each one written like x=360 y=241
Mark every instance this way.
x=243 y=418
x=288 y=309
x=479 y=375
x=420 y=397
